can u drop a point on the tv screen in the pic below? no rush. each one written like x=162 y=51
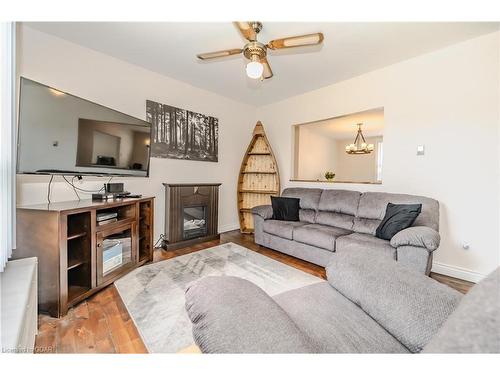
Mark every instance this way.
x=60 y=133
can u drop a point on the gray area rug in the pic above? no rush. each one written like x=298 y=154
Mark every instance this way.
x=154 y=294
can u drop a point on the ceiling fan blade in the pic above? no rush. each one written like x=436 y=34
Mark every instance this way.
x=296 y=41
x=268 y=72
x=246 y=30
x=217 y=54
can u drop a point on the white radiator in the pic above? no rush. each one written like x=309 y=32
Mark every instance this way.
x=19 y=306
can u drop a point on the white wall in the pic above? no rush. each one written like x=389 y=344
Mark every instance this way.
x=316 y=154
x=448 y=101
x=126 y=87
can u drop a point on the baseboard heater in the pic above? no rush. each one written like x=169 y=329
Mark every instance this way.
x=19 y=303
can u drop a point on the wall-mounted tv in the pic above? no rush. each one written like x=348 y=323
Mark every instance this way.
x=60 y=133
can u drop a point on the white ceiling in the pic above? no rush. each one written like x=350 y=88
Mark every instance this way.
x=349 y=49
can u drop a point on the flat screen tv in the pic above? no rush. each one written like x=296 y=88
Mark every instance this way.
x=60 y=133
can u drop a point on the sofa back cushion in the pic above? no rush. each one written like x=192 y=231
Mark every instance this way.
x=309 y=216
x=309 y=198
x=372 y=207
x=335 y=220
x=339 y=201
x=337 y=208
x=410 y=306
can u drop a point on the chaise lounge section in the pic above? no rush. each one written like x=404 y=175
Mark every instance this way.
x=369 y=304
x=344 y=220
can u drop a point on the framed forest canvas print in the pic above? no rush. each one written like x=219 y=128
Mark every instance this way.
x=181 y=134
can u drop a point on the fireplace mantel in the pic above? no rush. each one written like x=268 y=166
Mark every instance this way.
x=191 y=214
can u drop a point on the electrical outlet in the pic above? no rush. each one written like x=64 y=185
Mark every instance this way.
x=420 y=150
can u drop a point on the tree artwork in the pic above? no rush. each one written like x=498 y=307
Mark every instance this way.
x=181 y=134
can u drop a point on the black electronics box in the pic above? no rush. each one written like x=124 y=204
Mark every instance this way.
x=114 y=187
x=102 y=196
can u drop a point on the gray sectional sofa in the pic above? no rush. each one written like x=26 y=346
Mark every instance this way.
x=343 y=220
x=370 y=304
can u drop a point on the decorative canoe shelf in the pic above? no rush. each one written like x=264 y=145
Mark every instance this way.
x=259 y=178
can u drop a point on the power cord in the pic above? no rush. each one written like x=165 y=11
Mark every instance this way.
x=48 y=188
x=72 y=184
x=76 y=189
x=162 y=236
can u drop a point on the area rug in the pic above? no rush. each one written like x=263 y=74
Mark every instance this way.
x=154 y=294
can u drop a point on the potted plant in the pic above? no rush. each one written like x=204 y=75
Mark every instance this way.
x=329 y=176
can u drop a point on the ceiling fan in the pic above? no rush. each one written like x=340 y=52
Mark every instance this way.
x=256 y=52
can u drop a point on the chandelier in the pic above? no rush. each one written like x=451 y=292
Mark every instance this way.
x=359 y=146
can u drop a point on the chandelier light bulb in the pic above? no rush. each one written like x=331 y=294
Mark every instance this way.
x=359 y=146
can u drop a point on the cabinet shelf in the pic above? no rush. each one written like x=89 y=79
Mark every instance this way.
x=77 y=235
x=259 y=172
x=249 y=191
x=75 y=263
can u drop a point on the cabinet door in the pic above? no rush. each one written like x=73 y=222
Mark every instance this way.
x=116 y=252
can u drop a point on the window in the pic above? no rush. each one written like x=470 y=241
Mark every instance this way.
x=380 y=157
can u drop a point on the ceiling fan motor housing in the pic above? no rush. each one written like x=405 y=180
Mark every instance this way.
x=256 y=49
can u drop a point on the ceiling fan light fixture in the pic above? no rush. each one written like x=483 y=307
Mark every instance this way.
x=254 y=68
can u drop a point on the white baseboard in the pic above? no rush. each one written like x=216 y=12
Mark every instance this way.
x=458 y=272
x=229 y=227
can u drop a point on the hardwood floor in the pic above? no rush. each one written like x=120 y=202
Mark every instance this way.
x=101 y=324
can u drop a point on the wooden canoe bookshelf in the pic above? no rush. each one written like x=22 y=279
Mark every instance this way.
x=258 y=178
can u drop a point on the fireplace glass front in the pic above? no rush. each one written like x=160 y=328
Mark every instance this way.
x=195 y=222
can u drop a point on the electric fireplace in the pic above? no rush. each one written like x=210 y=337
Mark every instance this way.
x=195 y=222
x=191 y=214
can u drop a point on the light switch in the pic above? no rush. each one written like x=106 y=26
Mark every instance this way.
x=420 y=150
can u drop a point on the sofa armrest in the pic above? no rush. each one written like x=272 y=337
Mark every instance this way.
x=233 y=315
x=417 y=236
x=409 y=305
x=264 y=211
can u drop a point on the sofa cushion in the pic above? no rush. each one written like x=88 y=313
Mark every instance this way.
x=339 y=201
x=410 y=306
x=474 y=327
x=309 y=198
x=367 y=226
x=335 y=219
x=335 y=324
x=232 y=315
x=280 y=228
x=318 y=235
x=308 y=216
x=372 y=205
x=360 y=241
